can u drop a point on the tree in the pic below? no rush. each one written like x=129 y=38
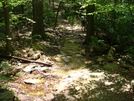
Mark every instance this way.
x=38 y=26
x=7 y=28
x=56 y=18
x=90 y=23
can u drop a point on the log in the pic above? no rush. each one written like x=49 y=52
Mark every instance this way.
x=26 y=60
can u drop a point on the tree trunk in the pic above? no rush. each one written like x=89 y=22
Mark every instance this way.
x=56 y=18
x=22 y=9
x=90 y=23
x=38 y=26
x=53 y=5
x=7 y=28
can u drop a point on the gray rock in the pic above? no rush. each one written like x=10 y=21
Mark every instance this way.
x=132 y=86
x=32 y=81
x=65 y=59
x=43 y=68
x=28 y=68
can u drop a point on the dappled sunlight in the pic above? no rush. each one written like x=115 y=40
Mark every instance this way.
x=70 y=78
x=71 y=27
x=66 y=50
x=86 y=85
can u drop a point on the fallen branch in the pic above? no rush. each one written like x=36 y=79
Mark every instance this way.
x=26 y=60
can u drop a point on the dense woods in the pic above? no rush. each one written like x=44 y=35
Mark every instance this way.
x=31 y=30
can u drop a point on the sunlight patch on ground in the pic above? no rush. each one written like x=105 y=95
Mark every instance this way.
x=83 y=76
x=70 y=27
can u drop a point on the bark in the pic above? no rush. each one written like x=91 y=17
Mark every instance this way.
x=38 y=26
x=22 y=9
x=7 y=28
x=90 y=23
x=56 y=18
x=25 y=60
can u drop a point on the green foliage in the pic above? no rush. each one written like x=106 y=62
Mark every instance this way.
x=2 y=36
x=4 y=65
x=129 y=49
x=15 y=3
x=120 y=79
x=95 y=41
x=37 y=46
x=49 y=16
x=7 y=95
x=19 y=19
x=0 y=4
x=115 y=19
x=2 y=85
x=3 y=77
x=36 y=37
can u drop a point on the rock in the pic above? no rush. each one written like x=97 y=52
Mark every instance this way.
x=78 y=55
x=95 y=66
x=72 y=41
x=132 y=86
x=36 y=56
x=65 y=59
x=32 y=81
x=89 y=62
x=20 y=74
x=83 y=52
x=111 y=53
x=58 y=59
x=42 y=69
x=100 y=60
x=28 y=68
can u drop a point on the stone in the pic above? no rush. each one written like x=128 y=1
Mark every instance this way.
x=58 y=59
x=65 y=59
x=132 y=86
x=28 y=68
x=32 y=81
x=20 y=74
x=46 y=69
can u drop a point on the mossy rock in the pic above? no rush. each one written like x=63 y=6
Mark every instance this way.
x=111 y=67
x=95 y=66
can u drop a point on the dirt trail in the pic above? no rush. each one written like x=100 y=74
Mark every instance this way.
x=71 y=80
x=80 y=83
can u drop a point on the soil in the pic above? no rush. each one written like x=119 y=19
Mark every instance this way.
x=73 y=77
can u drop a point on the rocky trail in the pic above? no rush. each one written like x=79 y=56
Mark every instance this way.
x=71 y=78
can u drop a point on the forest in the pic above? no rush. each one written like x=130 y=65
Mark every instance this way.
x=66 y=50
